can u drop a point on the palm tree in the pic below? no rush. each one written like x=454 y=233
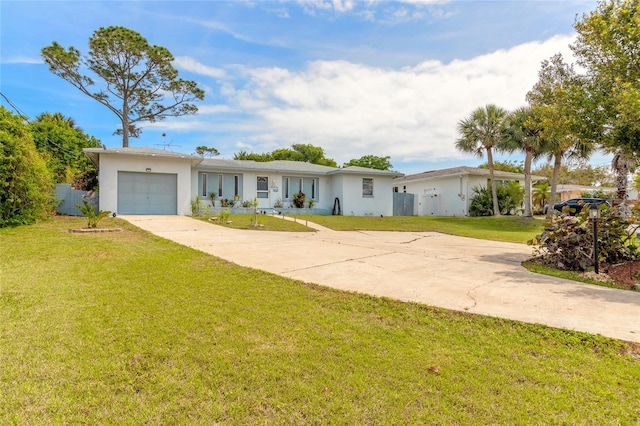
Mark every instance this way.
x=622 y=164
x=521 y=134
x=540 y=194
x=556 y=100
x=479 y=133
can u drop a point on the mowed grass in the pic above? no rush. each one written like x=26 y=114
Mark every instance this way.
x=265 y=223
x=128 y=328
x=514 y=229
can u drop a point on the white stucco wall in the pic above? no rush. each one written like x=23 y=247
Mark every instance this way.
x=444 y=196
x=111 y=164
x=354 y=203
x=324 y=193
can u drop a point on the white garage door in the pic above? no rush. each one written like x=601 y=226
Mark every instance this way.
x=147 y=193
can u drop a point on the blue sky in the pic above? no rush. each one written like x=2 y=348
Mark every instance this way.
x=354 y=77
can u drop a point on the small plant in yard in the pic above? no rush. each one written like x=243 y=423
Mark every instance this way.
x=567 y=241
x=312 y=202
x=299 y=199
x=195 y=206
x=224 y=216
x=213 y=197
x=246 y=204
x=93 y=217
x=254 y=204
x=278 y=204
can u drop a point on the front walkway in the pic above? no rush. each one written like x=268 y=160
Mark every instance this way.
x=463 y=274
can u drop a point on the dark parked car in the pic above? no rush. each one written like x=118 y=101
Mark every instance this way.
x=577 y=204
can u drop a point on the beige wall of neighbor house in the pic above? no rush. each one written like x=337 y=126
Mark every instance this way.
x=566 y=192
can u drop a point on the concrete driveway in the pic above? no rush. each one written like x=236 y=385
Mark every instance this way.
x=463 y=274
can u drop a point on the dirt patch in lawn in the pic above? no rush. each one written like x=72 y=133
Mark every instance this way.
x=624 y=275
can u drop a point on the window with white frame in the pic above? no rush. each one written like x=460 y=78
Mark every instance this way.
x=220 y=179
x=286 y=188
x=236 y=183
x=367 y=187
x=204 y=185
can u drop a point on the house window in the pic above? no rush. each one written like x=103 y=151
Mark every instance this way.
x=286 y=188
x=300 y=185
x=395 y=189
x=204 y=184
x=367 y=187
x=220 y=186
x=262 y=187
x=236 y=182
x=313 y=189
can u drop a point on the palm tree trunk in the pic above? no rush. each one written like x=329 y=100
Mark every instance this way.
x=557 y=163
x=494 y=191
x=528 y=203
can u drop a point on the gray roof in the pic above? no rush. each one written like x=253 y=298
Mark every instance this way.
x=267 y=166
x=463 y=170
x=364 y=170
x=285 y=166
x=278 y=166
x=94 y=153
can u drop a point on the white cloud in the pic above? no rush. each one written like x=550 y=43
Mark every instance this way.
x=338 y=5
x=22 y=60
x=410 y=113
x=191 y=65
x=213 y=109
x=424 y=2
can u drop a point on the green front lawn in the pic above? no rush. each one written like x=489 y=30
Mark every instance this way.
x=515 y=229
x=128 y=328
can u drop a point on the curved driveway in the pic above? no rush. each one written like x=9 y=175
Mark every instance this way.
x=463 y=274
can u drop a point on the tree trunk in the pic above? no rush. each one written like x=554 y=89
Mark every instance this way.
x=528 y=203
x=557 y=163
x=494 y=191
x=125 y=125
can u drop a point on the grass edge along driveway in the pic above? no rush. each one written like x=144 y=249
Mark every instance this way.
x=132 y=327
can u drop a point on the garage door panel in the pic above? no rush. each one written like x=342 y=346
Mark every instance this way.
x=147 y=193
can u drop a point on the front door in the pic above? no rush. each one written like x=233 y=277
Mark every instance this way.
x=262 y=191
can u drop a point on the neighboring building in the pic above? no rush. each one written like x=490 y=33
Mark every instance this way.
x=566 y=192
x=448 y=192
x=152 y=181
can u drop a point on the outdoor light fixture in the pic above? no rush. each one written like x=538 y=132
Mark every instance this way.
x=148 y=170
x=594 y=214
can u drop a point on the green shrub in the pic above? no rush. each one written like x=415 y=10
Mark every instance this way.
x=510 y=196
x=26 y=184
x=481 y=203
x=567 y=241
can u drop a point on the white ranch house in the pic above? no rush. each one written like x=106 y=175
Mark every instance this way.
x=448 y=192
x=153 y=181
